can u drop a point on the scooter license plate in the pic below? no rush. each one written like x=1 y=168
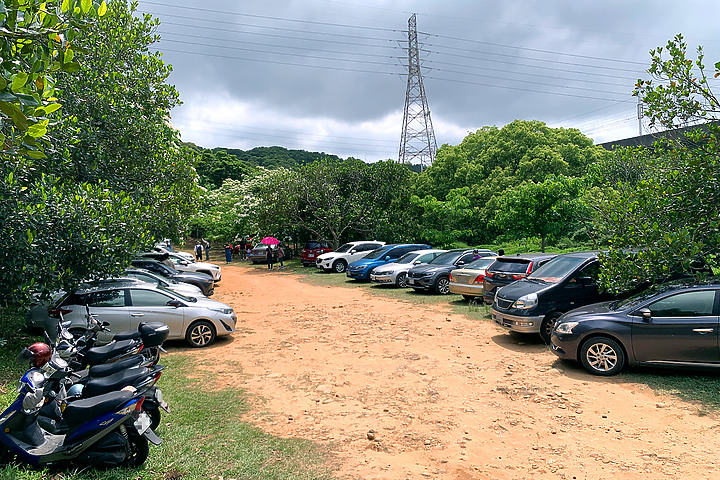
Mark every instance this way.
x=142 y=423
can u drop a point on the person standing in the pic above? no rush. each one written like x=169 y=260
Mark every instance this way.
x=228 y=253
x=198 y=251
x=269 y=257
x=206 y=246
x=280 y=256
x=243 y=244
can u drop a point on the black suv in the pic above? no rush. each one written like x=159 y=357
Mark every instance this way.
x=511 y=268
x=435 y=275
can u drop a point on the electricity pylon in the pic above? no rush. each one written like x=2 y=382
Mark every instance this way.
x=418 y=138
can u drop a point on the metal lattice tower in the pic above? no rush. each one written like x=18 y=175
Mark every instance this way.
x=418 y=138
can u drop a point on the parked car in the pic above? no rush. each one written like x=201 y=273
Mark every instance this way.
x=338 y=260
x=163 y=247
x=182 y=264
x=435 y=275
x=197 y=320
x=147 y=276
x=395 y=273
x=202 y=281
x=468 y=281
x=511 y=268
x=361 y=269
x=532 y=304
x=259 y=252
x=312 y=250
x=673 y=325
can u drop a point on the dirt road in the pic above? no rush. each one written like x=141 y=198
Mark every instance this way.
x=406 y=391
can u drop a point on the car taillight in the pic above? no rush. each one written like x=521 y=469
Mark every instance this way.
x=490 y=274
x=55 y=312
x=518 y=276
x=451 y=278
x=529 y=269
x=479 y=279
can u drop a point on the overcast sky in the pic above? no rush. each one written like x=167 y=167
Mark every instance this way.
x=330 y=76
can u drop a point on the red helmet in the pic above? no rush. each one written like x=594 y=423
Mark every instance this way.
x=38 y=354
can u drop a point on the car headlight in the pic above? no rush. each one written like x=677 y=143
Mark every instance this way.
x=526 y=301
x=327 y=259
x=566 y=327
x=226 y=311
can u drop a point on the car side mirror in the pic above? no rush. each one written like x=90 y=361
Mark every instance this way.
x=417 y=262
x=174 y=303
x=352 y=252
x=183 y=262
x=585 y=281
x=460 y=263
x=645 y=313
x=387 y=258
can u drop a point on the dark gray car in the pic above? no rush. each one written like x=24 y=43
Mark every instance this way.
x=435 y=275
x=674 y=325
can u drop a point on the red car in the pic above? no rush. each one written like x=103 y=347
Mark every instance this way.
x=311 y=250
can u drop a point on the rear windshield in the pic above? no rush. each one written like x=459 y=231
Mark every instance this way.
x=479 y=264
x=313 y=245
x=510 y=265
x=447 y=258
x=557 y=269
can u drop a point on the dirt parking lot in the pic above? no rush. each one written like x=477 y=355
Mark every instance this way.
x=399 y=390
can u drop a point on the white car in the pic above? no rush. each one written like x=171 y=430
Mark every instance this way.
x=395 y=273
x=162 y=248
x=338 y=260
x=184 y=264
x=198 y=320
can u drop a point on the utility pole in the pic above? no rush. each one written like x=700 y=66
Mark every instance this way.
x=640 y=115
x=418 y=138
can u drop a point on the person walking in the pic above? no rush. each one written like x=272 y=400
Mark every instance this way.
x=280 y=256
x=228 y=253
x=198 y=251
x=243 y=253
x=269 y=257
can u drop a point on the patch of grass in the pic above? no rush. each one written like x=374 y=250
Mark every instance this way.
x=702 y=388
x=204 y=438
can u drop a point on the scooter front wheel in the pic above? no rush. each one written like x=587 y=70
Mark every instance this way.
x=139 y=451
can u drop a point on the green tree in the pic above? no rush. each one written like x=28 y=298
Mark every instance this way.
x=679 y=92
x=545 y=209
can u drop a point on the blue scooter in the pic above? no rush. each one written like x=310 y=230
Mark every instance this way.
x=104 y=431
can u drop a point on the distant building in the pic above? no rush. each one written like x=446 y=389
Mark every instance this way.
x=649 y=139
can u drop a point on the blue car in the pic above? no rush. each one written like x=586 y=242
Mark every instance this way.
x=360 y=269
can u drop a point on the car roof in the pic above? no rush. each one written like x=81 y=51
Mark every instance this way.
x=586 y=254
x=526 y=256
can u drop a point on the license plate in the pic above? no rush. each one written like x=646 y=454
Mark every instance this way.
x=312 y=255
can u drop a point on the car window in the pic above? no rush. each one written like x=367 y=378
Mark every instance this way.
x=312 y=245
x=591 y=271
x=686 y=304
x=380 y=252
x=344 y=248
x=426 y=257
x=148 y=298
x=407 y=258
x=467 y=258
x=556 y=269
x=107 y=298
x=396 y=252
x=515 y=265
x=480 y=263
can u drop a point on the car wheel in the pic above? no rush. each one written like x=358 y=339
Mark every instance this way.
x=602 y=356
x=548 y=325
x=442 y=286
x=200 y=334
x=339 y=266
x=401 y=280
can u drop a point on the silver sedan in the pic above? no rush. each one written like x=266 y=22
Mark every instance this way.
x=395 y=273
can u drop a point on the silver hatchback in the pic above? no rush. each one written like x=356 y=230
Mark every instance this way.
x=198 y=320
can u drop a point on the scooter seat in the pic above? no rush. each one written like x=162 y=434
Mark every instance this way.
x=98 y=355
x=128 y=335
x=81 y=411
x=106 y=369
x=114 y=382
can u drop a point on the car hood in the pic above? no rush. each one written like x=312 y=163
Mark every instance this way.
x=203 y=277
x=392 y=267
x=209 y=266
x=205 y=302
x=367 y=263
x=592 y=309
x=429 y=268
x=523 y=287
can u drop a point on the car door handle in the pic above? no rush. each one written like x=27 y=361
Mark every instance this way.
x=702 y=331
x=137 y=314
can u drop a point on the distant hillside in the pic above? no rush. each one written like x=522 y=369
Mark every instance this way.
x=217 y=164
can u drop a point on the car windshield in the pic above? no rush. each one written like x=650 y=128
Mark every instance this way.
x=479 y=264
x=344 y=248
x=376 y=253
x=557 y=269
x=179 y=295
x=312 y=245
x=407 y=258
x=447 y=258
